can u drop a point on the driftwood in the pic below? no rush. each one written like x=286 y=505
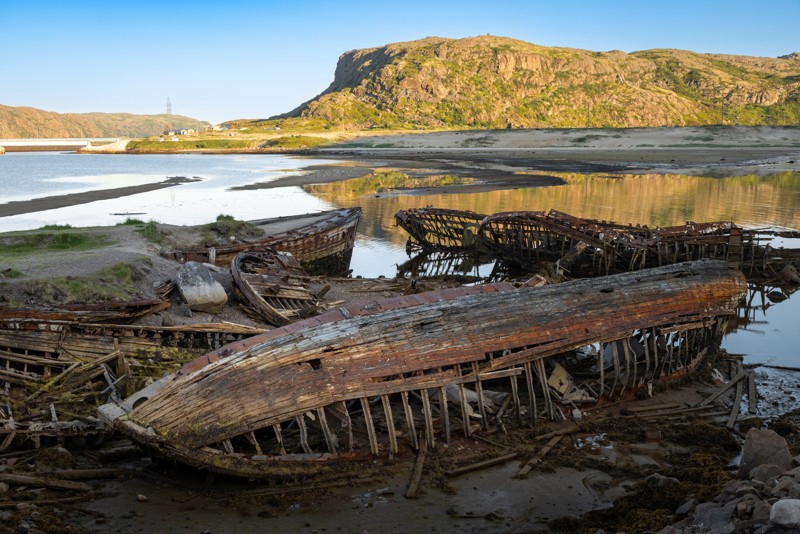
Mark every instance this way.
x=263 y=388
x=481 y=465
x=416 y=473
x=525 y=469
x=43 y=482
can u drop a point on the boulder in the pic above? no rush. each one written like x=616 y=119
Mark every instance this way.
x=764 y=447
x=199 y=289
x=765 y=472
x=715 y=518
x=662 y=492
x=786 y=513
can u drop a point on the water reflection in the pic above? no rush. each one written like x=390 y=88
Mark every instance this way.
x=767 y=335
x=651 y=199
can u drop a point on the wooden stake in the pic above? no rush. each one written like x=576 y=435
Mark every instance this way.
x=411 y=427
x=416 y=474
x=387 y=411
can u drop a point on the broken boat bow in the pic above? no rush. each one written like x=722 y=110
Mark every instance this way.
x=310 y=387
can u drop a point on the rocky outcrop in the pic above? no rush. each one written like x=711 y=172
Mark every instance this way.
x=765 y=500
x=492 y=81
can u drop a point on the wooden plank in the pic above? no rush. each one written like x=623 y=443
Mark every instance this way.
x=722 y=390
x=752 y=395
x=737 y=403
x=373 y=440
x=43 y=482
x=416 y=473
x=387 y=413
x=491 y=462
x=411 y=428
x=524 y=470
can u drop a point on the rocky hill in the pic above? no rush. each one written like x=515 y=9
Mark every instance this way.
x=496 y=82
x=25 y=122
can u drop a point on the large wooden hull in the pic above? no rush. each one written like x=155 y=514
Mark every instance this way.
x=527 y=238
x=309 y=387
x=322 y=242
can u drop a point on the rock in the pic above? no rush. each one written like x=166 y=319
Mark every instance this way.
x=199 y=289
x=663 y=492
x=3 y=487
x=765 y=472
x=141 y=497
x=715 y=518
x=687 y=506
x=5 y=516
x=786 y=513
x=764 y=447
x=760 y=511
x=787 y=487
x=796 y=461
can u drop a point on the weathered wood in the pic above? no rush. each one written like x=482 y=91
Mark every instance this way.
x=752 y=395
x=428 y=416
x=416 y=473
x=491 y=462
x=373 y=440
x=525 y=469
x=387 y=413
x=723 y=389
x=43 y=482
x=737 y=403
x=411 y=427
x=271 y=378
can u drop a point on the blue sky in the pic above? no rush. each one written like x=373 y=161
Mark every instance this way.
x=220 y=60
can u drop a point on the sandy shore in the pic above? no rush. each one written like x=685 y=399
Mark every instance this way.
x=74 y=199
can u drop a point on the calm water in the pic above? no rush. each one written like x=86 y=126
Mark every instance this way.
x=771 y=336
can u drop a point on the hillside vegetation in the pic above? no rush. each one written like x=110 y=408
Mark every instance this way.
x=496 y=82
x=25 y=122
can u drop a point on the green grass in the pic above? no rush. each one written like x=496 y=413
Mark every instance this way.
x=114 y=283
x=153 y=145
x=151 y=232
x=11 y=273
x=43 y=241
x=227 y=226
x=295 y=142
x=131 y=221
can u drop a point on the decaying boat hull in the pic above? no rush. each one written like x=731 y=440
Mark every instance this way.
x=439 y=229
x=309 y=387
x=323 y=245
x=587 y=247
x=275 y=286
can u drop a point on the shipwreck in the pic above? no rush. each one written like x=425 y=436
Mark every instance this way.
x=379 y=379
x=322 y=242
x=587 y=247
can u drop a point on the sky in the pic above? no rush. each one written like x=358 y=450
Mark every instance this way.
x=222 y=60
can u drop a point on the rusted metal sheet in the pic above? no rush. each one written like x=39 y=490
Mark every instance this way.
x=323 y=242
x=631 y=328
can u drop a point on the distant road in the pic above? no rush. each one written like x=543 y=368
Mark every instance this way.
x=22 y=145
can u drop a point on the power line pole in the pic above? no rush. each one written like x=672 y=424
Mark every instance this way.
x=169 y=107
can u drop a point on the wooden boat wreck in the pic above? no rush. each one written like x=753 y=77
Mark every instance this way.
x=588 y=247
x=111 y=312
x=440 y=229
x=349 y=383
x=322 y=242
x=33 y=350
x=275 y=285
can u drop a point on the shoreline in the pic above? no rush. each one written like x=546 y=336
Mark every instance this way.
x=506 y=159
x=21 y=207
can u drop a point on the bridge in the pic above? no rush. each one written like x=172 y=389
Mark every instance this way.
x=24 y=145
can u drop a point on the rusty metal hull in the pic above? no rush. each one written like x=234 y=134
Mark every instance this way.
x=323 y=242
x=310 y=387
x=275 y=285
